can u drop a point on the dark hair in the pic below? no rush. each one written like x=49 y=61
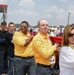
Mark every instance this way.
x=25 y=22
x=3 y=23
x=10 y=23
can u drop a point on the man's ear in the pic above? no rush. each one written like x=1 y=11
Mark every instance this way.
x=38 y=26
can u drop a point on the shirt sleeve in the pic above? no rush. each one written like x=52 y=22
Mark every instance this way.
x=2 y=40
x=42 y=49
x=17 y=39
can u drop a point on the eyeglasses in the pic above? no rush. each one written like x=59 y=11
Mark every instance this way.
x=23 y=27
x=70 y=35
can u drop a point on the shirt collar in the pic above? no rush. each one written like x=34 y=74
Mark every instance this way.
x=44 y=36
x=72 y=46
x=25 y=34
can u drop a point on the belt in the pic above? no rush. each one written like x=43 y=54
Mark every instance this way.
x=25 y=57
x=42 y=65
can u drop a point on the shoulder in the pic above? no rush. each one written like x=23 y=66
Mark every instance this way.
x=65 y=48
x=0 y=32
x=37 y=36
x=7 y=33
x=16 y=33
x=28 y=34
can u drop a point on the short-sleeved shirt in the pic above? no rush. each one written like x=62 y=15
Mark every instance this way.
x=19 y=48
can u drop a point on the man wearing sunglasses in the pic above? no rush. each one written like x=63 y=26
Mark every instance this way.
x=23 y=60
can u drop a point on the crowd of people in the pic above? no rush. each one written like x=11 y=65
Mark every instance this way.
x=56 y=32
x=23 y=53
x=6 y=47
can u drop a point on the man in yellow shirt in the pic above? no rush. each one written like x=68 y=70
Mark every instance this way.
x=43 y=50
x=24 y=61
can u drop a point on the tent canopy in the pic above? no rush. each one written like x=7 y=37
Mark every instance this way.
x=3 y=8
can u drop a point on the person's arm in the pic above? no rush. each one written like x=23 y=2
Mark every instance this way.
x=42 y=49
x=9 y=37
x=58 y=49
x=2 y=40
x=18 y=39
x=28 y=40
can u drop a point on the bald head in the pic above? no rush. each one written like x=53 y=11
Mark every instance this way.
x=43 y=26
x=42 y=21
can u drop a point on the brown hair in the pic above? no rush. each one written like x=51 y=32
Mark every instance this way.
x=3 y=23
x=67 y=31
x=10 y=23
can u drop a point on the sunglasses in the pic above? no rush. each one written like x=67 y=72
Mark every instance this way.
x=70 y=35
x=23 y=26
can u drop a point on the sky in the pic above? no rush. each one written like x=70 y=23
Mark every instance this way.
x=55 y=11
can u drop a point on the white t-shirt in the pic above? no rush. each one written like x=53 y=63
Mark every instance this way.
x=66 y=61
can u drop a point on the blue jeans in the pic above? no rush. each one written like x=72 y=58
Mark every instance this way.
x=11 y=67
x=41 y=70
x=2 y=57
x=24 y=66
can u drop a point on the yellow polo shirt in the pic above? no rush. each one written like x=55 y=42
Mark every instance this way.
x=42 y=48
x=19 y=48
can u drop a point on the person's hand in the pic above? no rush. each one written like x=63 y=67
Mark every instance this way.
x=32 y=36
x=58 y=49
x=57 y=44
